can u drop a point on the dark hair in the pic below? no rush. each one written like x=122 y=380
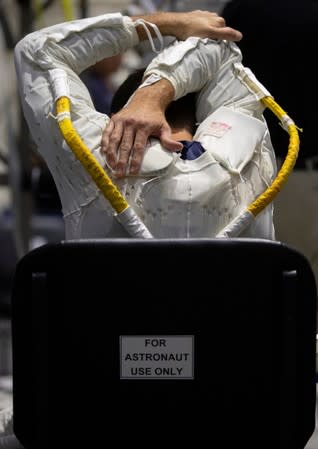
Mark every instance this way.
x=180 y=113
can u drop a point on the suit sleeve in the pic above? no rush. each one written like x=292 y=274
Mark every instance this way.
x=188 y=64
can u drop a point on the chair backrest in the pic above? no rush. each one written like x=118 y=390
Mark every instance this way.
x=171 y=342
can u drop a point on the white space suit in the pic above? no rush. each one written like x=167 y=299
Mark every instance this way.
x=175 y=198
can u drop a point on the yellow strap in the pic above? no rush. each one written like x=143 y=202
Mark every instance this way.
x=266 y=197
x=83 y=154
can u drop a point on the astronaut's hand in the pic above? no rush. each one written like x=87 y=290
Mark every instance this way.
x=205 y=24
x=197 y=23
x=126 y=135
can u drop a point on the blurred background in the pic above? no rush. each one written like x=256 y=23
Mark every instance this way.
x=280 y=39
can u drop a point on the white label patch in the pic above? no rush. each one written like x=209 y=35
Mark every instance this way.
x=217 y=129
x=157 y=357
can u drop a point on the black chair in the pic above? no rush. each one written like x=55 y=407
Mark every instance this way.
x=177 y=343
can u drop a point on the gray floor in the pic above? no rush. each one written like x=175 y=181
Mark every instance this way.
x=313 y=442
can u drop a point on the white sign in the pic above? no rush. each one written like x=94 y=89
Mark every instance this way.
x=157 y=357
